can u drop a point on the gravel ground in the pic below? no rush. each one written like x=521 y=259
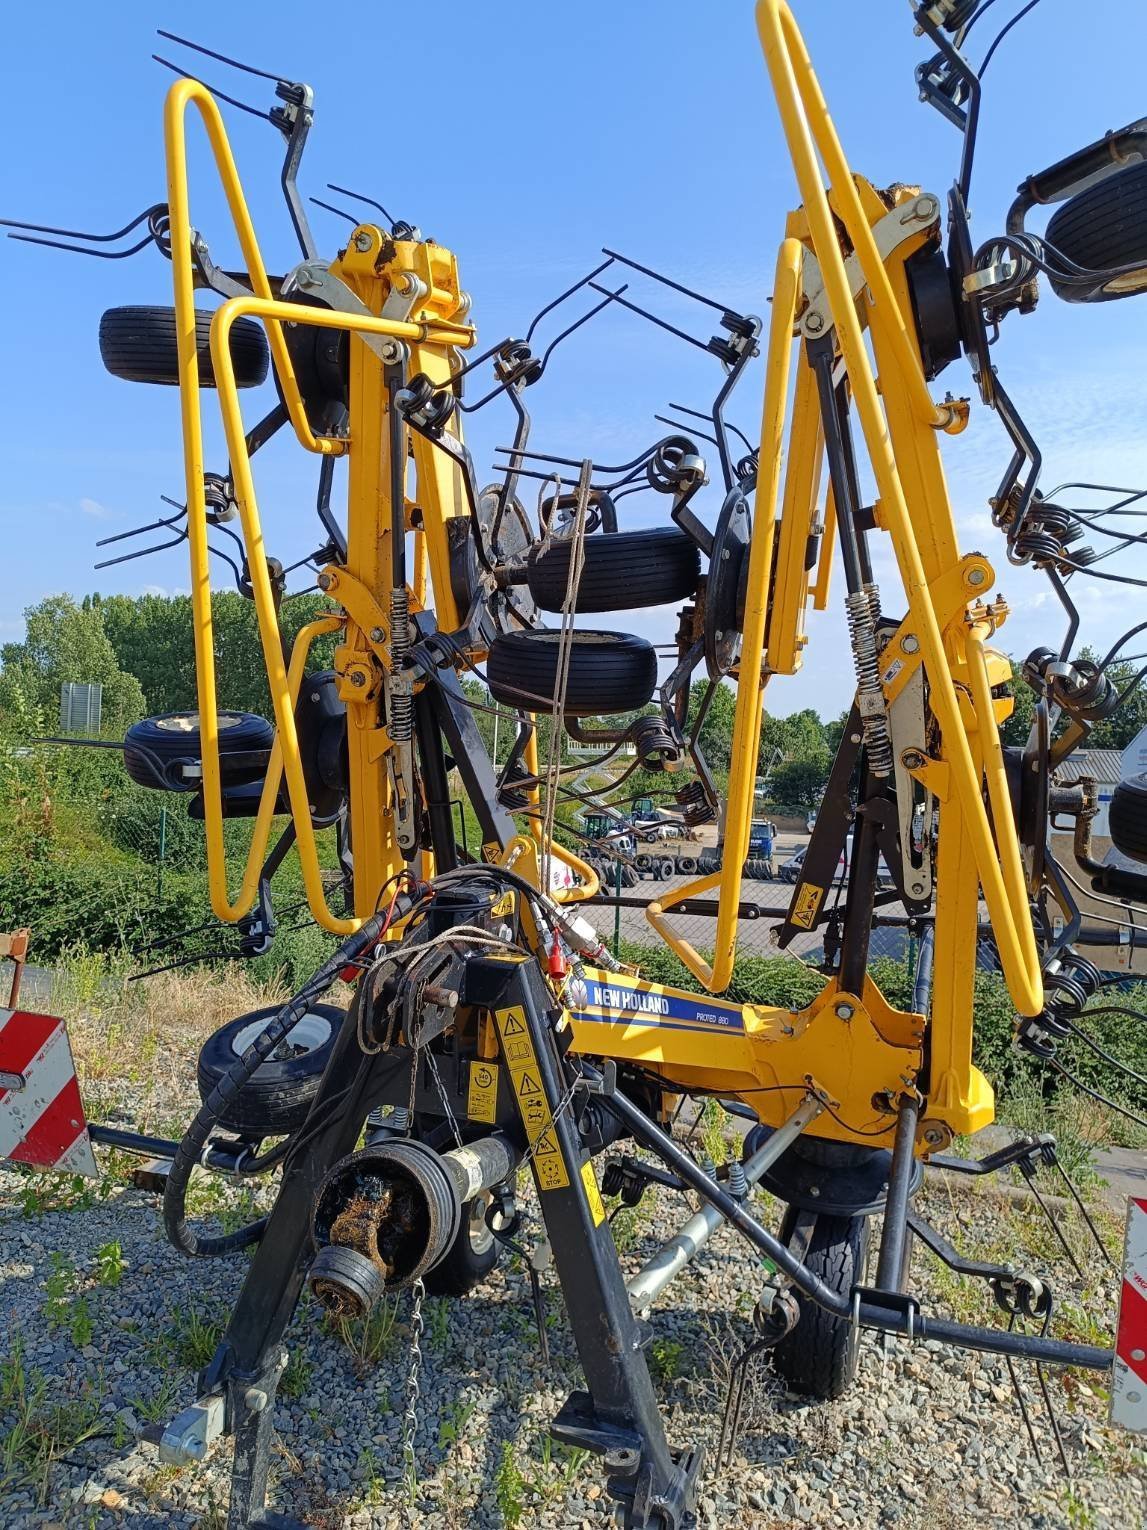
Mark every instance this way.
x=104 y=1326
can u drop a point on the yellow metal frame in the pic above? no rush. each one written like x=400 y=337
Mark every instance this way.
x=853 y=1045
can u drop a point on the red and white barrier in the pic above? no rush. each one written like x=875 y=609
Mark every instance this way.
x=42 y=1119
x=1129 y=1376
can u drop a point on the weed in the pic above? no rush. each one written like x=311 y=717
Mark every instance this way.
x=509 y=1487
x=438 y=1312
x=453 y=1425
x=40 y=1432
x=1080 y=1515
x=369 y=1339
x=666 y=1358
x=190 y=1340
x=297 y=1376
x=712 y=1132
x=110 y=1264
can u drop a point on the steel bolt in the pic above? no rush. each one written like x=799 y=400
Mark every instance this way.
x=814 y=323
x=843 y=1011
x=256 y=1399
x=376 y=634
x=910 y=643
x=720 y=636
x=362 y=241
x=814 y=1189
x=357 y=677
x=1139 y=1354
x=325 y=581
x=912 y=759
x=918 y=889
x=976 y=577
x=933 y=1136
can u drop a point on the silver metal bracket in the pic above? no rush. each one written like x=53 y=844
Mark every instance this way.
x=890 y=232
x=191 y=1434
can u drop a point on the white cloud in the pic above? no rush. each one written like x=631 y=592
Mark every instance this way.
x=93 y=508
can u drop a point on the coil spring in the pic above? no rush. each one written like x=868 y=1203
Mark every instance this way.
x=1068 y=987
x=400 y=720
x=862 y=637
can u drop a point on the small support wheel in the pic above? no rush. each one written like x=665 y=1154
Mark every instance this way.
x=819 y=1356
x=139 y=345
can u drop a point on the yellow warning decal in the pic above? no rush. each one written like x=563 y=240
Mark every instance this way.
x=482 y=1095
x=592 y=1193
x=808 y=901
x=533 y=1107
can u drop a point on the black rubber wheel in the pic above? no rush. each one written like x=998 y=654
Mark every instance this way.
x=471 y=1256
x=667 y=868
x=138 y=344
x=608 y=671
x=1127 y=817
x=818 y=1357
x=622 y=571
x=643 y=863
x=276 y=1098
x=1104 y=225
x=156 y=748
x=687 y=865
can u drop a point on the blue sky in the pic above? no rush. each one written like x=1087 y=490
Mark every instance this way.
x=525 y=136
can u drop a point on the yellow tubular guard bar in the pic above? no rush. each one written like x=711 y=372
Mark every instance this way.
x=750 y=683
x=805 y=119
x=284 y=689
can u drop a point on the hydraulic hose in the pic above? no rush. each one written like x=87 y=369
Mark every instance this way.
x=226 y=1091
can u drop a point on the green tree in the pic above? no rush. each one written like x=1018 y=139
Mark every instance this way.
x=800 y=782
x=64 y=642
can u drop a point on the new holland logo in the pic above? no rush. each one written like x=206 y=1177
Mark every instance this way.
x=634 y=1000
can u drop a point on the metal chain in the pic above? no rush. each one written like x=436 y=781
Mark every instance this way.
x=410 y=1417
x=563 y=1105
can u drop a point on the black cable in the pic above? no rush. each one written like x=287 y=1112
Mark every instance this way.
x=1003 y=32
x=227 y=1090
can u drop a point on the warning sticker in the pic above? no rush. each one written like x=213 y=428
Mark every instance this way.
x=482 y=1095
x=808 y=901
x=592 y=1193
x=533 y=1107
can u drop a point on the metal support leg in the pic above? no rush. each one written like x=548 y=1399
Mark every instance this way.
x=890 y=1265
x=618 y=1415
x=250 y=1359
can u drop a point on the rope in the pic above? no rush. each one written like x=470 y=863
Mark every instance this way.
x=561 y=683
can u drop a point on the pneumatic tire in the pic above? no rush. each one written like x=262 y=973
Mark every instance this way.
x=1127 y=818
x=818 y=1357
x=622 y=570
x=139 y=345
x=470 y=1258
x=276 y=1098
x=1104 y=225
x=608 y=671
x=156 y=749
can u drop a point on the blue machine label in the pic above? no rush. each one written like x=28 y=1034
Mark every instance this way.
x=616 y=999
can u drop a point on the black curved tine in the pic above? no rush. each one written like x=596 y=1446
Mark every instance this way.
x=653 y=319
x=138 y=531
x=1075 y=1195
x=79 y=233
x=79 y=249
x=683 y=426
x=504 y=387
x=339 y=212
x=232 y=565
x=1011 y=1364
x=143 y=551
x=185 y=74
x=668 y=281
x=699 y=414
x=278 y=79
x=1051 y=1414
x=569 y=292
x=577 y=324
x=345 y=191
x=1055 y=1227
